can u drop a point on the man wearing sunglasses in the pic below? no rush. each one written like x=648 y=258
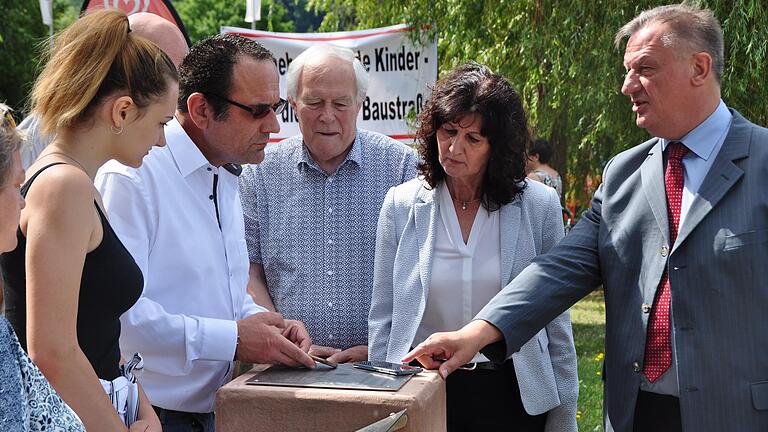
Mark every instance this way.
x=180 y=217
x=312 y=207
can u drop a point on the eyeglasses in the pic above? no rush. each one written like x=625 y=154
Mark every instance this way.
x=5 y=110
x=257 y=111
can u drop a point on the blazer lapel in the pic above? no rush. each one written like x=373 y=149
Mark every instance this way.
x=652 y=175
x=509 y=224
x=425 y=220
x=721 y=176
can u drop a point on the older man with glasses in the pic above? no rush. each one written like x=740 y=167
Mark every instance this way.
x=311 y=208
x=180 y=217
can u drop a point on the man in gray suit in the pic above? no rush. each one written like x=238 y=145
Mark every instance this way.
x=677 y=235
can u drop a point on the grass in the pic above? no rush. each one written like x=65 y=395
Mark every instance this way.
x=588 y=318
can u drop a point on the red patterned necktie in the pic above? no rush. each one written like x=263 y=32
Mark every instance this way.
x=658 y=344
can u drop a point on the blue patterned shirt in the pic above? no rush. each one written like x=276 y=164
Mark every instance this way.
x=315 y=234
x=28 y=403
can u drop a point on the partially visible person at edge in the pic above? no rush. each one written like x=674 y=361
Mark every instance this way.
x=105 y=93
x=450 y=240
x=333 y=176
x=181 y=218
x=156 y=29
x=538 y=167
x=27 y=401
x=677 y=235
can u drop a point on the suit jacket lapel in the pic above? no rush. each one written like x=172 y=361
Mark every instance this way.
x=652 y=175
x=509 y=225
x=721 y=177
x=425 y=220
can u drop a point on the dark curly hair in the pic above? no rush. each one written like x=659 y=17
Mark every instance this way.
x=542 y=148
x=473 y=89
x=208 y=67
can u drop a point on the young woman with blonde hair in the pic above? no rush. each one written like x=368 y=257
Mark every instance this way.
x=106 y=93
x=27 y=401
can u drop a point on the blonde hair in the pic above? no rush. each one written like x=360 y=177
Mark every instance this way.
x=10 y=142
x=92 y=59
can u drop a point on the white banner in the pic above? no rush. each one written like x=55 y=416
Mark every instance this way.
x=401 y=74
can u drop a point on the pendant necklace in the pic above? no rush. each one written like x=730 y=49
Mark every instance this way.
x=464 y=204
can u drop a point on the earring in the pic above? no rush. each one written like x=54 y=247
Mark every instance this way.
x=115 y=130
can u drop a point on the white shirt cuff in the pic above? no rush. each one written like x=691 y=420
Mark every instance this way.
x=219 y=339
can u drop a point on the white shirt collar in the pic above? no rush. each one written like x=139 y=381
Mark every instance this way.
x=185 y=152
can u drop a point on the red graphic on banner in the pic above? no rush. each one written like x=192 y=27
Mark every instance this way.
x=161 y=8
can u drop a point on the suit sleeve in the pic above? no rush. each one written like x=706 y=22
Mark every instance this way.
x=380 y=315
x=169 y=342
x=548 y=287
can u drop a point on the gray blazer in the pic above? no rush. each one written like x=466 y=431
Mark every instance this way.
x=717 y=272
x=546 y=364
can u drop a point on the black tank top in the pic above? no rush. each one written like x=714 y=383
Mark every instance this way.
x=111 y=283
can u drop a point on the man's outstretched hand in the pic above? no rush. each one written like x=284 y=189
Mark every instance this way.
x=448 y=351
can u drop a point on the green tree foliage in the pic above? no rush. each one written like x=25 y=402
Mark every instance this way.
x=21 y=29
x=203 y=18
x=560 y=55
x=304 y=19
x=23 y=40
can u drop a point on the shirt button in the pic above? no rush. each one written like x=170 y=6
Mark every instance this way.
x=664 y=250
x=330 y=304
x=330 y=209
x=329 y=272
x=636 y=367
x=330 y=336
x=210 y=197
x=330 y=241
x=209 y=169
x=330 y=180
x=646 y=308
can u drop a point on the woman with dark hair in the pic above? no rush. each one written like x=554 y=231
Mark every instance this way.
x=449 y=241
x=538 y=166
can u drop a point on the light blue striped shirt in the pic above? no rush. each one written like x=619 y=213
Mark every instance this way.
x=704 y=143
x=315 y=233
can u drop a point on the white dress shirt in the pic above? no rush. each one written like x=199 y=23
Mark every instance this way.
x=195 y=273
x=465 y=276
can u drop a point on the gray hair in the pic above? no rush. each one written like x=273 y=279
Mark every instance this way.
x=692 y=27
x=10 y=142
x=316 y=53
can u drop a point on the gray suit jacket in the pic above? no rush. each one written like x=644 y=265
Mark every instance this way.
x=718 y=283
x=546 y=364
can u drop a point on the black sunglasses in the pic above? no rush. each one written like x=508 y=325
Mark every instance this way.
x=257 y=111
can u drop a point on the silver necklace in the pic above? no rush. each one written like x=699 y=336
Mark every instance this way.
x=68 y=157
x=464 y=204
